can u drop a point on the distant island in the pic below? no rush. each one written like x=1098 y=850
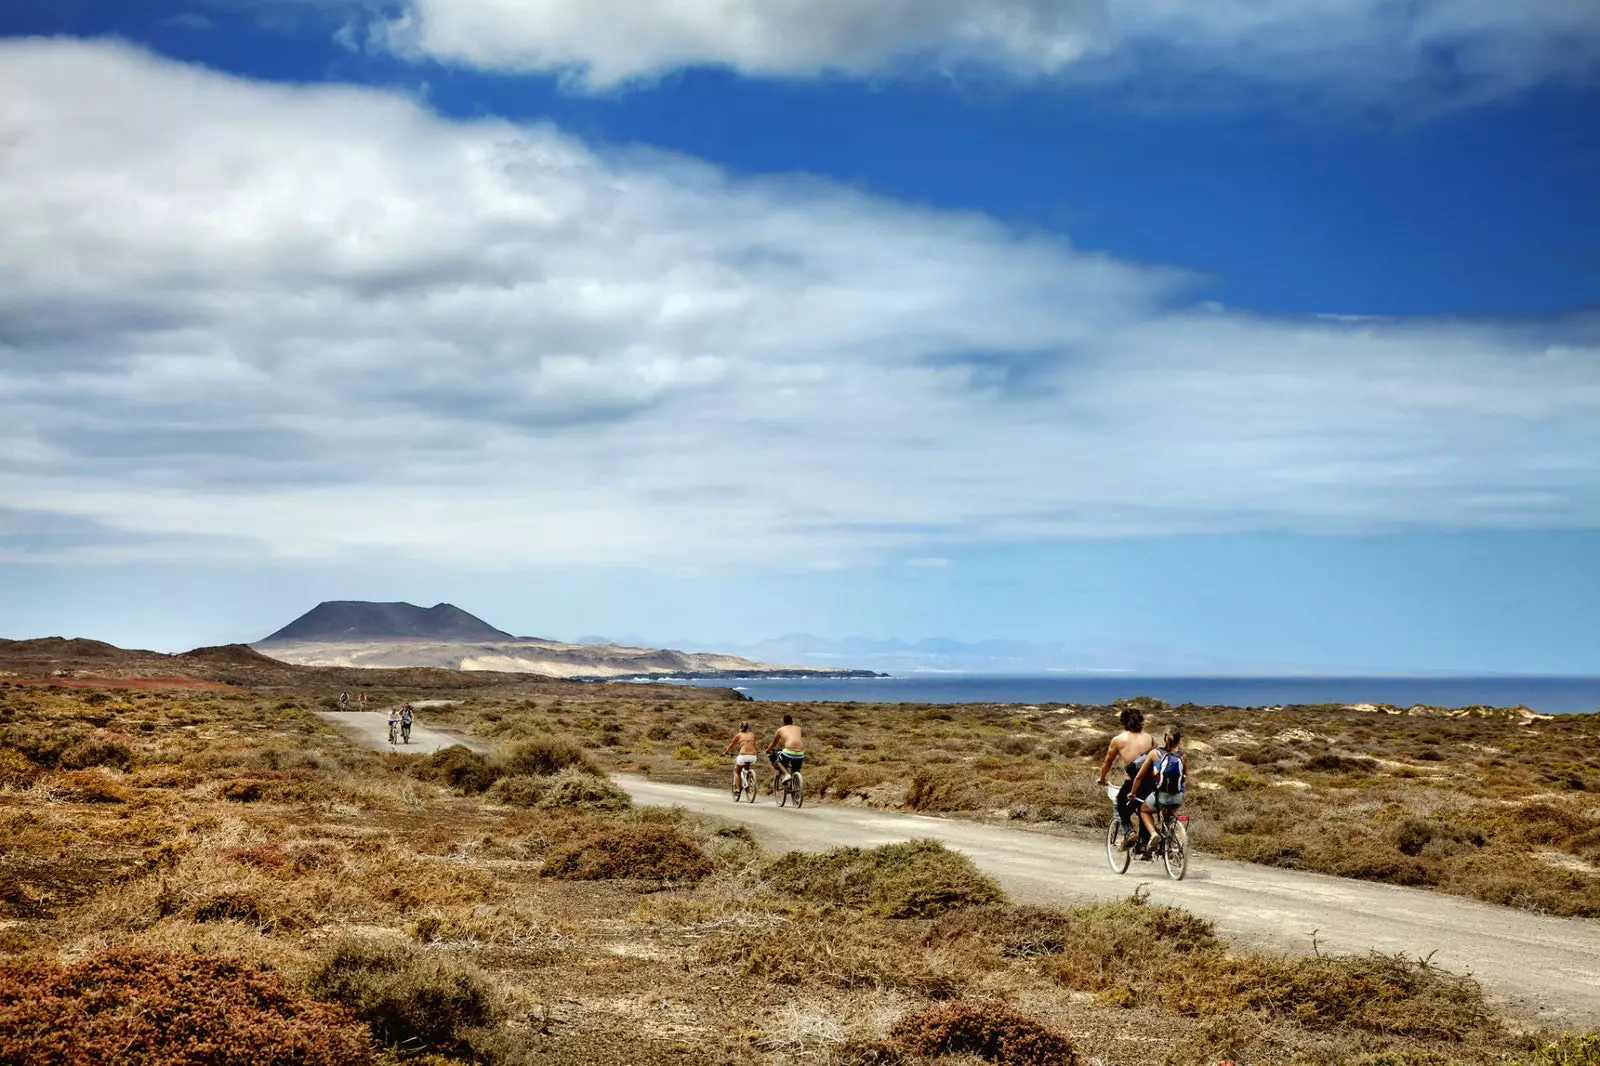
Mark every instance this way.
x=358 y=633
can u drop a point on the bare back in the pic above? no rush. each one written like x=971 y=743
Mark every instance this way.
x=745 y=742
x=790 y=737
x=1130 y=747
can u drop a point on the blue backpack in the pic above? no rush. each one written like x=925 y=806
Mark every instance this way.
x=1169 y=773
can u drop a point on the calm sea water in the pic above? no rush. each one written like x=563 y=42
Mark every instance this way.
x=1548 y=695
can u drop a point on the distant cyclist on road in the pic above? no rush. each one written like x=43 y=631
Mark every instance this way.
x=406 y=717
x=747 y=743
x=788 y=748
x=394 y=725
x=1132 y=746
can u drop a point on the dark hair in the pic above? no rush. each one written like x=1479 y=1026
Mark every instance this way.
x=1132 y=719
x=788 y=719
x=1173 y=738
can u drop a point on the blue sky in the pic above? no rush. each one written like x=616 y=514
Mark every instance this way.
x=1262 y=332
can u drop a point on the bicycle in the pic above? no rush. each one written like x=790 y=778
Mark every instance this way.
x=745 y=786
x=394 y=732
x=792 y=789
x=405 y=731
x=1171 y=838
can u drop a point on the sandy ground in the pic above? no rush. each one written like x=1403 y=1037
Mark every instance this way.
x=371 y=728
x=1530 y=965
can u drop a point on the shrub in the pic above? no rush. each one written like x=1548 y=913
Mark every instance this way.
x=575 y=789
x=1570 y=1050
x=917 y=879
x=242 y=791
x=268 y=855
x=989 y=1031
x=548 y=755
x=631 y=851
x=96 y=751
x=149 y=1009
x=519 y=790
x=1328 y=763
x=16 y=769
x=459 y=767
x=413 y=1002
x=846 y=955
x=91 y=786
x=1024 y=932
x=943 y=789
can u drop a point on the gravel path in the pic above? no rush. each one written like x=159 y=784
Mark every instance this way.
x=1529 y=965
x=371 y=728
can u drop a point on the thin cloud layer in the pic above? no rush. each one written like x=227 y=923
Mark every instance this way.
x=1439 y=49
x=242 y=320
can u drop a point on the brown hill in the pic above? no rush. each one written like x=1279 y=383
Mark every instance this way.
x=82 y=662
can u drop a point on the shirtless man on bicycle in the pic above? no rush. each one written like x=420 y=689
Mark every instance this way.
x=788 y=748
x=1131 y=746
x=745 y=740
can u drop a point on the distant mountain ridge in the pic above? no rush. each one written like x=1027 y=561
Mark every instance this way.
x=360 y=620
x=356 y=633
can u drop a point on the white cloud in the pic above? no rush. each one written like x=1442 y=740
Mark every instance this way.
x=240 y=320
x=1450 y=49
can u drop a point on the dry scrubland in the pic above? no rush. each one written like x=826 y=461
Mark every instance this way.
x=1500 y=806
x=216 y=873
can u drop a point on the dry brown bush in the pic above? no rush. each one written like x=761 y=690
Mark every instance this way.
x=917 y=879
x=860 y=954
x=547 y=755
x=413 y=1002
x=1131 y=952
x=651 y=851
x=1020 y=932
x=97 y=751
x=149 y=1009
x=992 y=1032
x=942 y=788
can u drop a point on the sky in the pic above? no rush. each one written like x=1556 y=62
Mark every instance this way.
x=1266 y=331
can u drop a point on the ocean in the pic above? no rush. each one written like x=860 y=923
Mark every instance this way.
x=1547 y=695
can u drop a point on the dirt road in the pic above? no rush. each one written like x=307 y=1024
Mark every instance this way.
x=1530 y=965
x=371 y=728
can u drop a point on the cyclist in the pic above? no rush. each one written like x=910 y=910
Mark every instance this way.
x=407 y=715
x=1160 y=781
x=394 y=724
x=747 y=743
x=344 y=700
x=1132 y=746
x=788 y=748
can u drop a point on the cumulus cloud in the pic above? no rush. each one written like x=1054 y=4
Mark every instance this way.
x=244 y=320
x=1441 y=49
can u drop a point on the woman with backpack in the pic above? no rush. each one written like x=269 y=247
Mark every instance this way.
x=1167 y=770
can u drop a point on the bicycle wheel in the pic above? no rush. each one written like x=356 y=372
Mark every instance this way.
x=1175 y=855
x=782 y=790
x=797 y=787
x=1118 y=859
x=750 y=785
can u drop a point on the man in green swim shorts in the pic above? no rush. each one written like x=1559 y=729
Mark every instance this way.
x=788 y=747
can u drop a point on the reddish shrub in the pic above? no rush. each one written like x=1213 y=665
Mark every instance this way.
x=267 y=855
x=149 y=1009
x=991 y=1032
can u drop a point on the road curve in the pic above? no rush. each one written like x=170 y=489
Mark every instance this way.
x=1529 y=965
